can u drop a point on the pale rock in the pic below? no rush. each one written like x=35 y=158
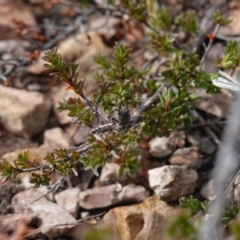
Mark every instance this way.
x=150 y=228
x=233 y=28
x=83 y=51
x=84 y=214
x=144 y=221
x=161 y=147
x=55 y=220
x=83 y=48
x=68 y=199
x=133 y=193
x=48 y=194
x=172 y=182
x=109 y=174
x=100 y=197
x=106 y=196
x=85 y=177
x=22 y=112
x=214 y=104
x=55 y=138
x=207 y=146
x=207 y=191
x=188 y=157
x=111 y=27
x=81 y=134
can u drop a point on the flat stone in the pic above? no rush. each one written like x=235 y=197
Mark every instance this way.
x=100 y=197
x=133 y=193
x=214 y=104
x=56 y=221
x=188 y=157
x=172 y=182
x=22 y=112
x=81 y=134
x=106 y=196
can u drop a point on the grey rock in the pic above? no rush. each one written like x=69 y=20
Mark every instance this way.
x=100 y=197
x=161 y=147
x=207 y=191
x=55 y=138
x=133 y=193
x=188 y=157
x=172 y=182
x=214 y=104
x=109 y=174
x=207 y=146
x=194 y=139
x=106 y=196
x=150 y=228
x=68 y=199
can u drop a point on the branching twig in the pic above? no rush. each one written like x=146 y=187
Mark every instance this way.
x=148 y=104
x=69 y=30
x=206 y=128
x=207 y=18
x=34 y=169
x=210 y=44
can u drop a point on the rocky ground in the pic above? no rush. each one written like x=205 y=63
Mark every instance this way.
x=172 y=167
